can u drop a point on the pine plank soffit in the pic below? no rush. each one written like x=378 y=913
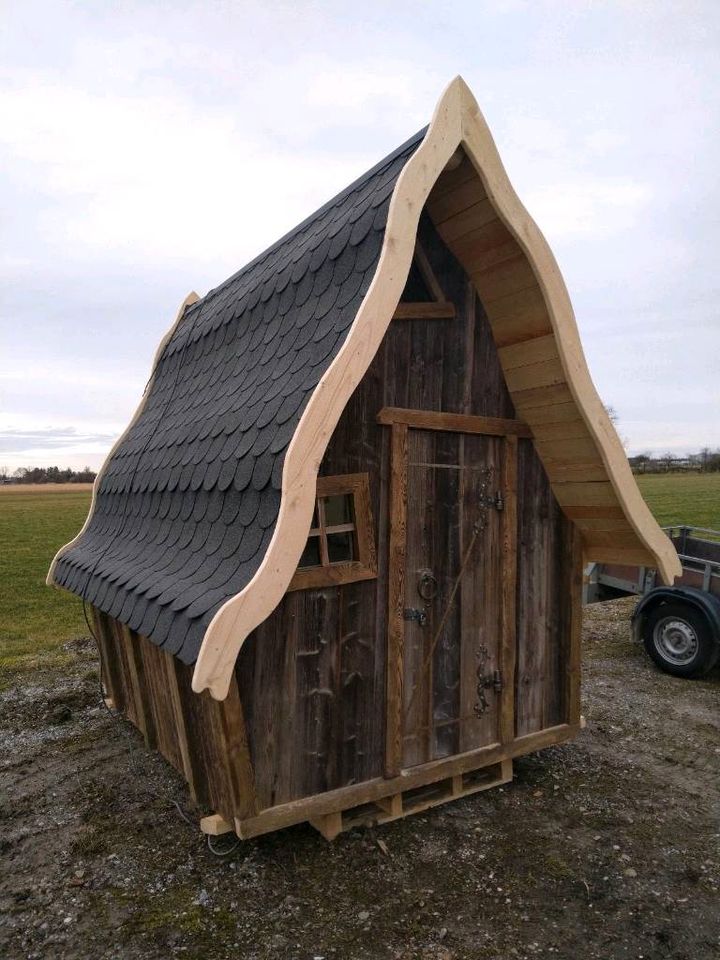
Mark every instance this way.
x=457 y=121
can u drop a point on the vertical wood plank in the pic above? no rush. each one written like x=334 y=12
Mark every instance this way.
x=574 y=660
x=180 y=725
x=444 y=558
x=108 y=658
x=139 y=686
x=163 y=715
x=234 y=753
x=508 y=644
x=481 y=593
x=396 y=600
x=469 y=357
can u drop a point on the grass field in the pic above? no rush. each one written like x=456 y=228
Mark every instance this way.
x=35 y=620
x=34 y=521
x=693 y=499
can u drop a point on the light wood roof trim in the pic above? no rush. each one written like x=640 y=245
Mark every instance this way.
x=242 y=613
x=518 y=272
x=484 y=156
x=189 y=300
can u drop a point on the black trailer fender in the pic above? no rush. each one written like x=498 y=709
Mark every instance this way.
x=707 y=603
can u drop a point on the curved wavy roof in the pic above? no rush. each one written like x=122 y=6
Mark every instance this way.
x=187 y=502
x=202 y=509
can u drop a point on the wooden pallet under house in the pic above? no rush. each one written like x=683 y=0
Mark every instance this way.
x=335 y=561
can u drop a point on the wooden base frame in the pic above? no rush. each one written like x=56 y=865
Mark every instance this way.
x=395 y=806
x=415 y=800
x=382 y=800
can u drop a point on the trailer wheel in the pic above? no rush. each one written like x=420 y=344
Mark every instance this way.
x=680 y=640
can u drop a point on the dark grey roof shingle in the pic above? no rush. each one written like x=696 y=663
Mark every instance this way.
x=187 y=504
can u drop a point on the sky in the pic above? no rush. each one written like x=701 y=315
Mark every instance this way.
x=149 y=149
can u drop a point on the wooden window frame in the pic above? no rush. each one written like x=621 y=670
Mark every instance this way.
x=356 y=486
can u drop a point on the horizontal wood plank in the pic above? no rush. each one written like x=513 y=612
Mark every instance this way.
x=570 y=471
x=287 y=814
x=534 y=397
x=547 y=373
x=599 y=494
x=602 y=523
x=454 y=422
x=553 y=413
x=574 y=448
x=484 y=254
x=614 y=555
x=592 y=511
x=443 y=206
x=504 y=278
x=615 y=539
x=466 y=220
x=426 y=310
x=530 y=351
x=574 y=429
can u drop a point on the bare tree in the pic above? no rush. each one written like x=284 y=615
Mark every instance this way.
x=614 y=417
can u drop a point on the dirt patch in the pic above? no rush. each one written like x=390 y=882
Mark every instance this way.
x=606 y=847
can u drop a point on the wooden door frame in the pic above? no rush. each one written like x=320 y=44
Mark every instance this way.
x=399 y=420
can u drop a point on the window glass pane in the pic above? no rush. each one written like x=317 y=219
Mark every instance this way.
x=314 y=524
x=338 y=510
x=311 y=554
x=340 y=547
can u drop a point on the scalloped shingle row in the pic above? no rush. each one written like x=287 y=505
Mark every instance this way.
x=187 y=505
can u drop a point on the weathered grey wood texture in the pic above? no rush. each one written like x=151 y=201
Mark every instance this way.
x=312 y=677
x=307 y=714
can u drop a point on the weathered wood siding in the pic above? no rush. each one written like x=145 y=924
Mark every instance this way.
x=308 y=706
x=202 y=738
x=543 y=598
x=312 y=677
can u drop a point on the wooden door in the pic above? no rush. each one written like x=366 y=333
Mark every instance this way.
x=452 y=604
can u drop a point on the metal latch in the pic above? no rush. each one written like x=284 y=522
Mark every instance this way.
x=493 y=680
x=493 y=503
x=412 y=613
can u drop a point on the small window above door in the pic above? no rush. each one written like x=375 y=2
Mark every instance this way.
x=423 y=296
x=341 y=545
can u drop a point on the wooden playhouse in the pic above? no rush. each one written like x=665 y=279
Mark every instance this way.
x=334 y=562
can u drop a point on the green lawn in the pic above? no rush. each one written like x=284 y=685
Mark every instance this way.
x=692 y=499
x=36 y=620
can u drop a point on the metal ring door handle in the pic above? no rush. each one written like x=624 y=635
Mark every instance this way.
x=427 y=586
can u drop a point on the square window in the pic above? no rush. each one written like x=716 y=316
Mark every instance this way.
x=341 y=543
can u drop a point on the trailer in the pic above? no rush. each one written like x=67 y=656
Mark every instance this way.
x=679 y=625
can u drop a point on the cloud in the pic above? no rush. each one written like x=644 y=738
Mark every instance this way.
x=590 y=206
x=155 y=149
x=22 y=441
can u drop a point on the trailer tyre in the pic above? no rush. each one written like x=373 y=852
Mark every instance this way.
x=680 y=640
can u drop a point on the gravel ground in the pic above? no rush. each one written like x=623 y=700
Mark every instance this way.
x=602 y=848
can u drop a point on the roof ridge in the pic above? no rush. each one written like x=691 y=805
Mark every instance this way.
x=333 y=201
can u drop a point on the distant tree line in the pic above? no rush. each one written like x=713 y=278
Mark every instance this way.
x=46 y=475
x=706 y=461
